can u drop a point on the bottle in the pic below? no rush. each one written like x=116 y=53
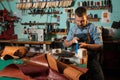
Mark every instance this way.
x=76 y=47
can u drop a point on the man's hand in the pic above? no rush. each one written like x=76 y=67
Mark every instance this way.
x=83 y=45
x=75 y=39
x=69 y=43
x=90 y=46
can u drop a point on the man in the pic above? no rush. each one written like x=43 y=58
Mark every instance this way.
x=89 y=37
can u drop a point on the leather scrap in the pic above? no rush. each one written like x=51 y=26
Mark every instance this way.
x=14 y=52
x=52 y=62
x=13 y=71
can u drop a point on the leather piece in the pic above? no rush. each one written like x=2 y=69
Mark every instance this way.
x=52 y=75
x=52 y=62
x=43 y=67
x=14 y=51
x=35 y=66
x=39 y=60
x=65 y=69
x=72 y=72
x=56 y=75
x=34 y=69
x=13 y=71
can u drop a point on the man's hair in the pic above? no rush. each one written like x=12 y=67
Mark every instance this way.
x=80 y=11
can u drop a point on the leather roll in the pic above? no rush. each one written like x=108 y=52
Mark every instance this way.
x=72 y=73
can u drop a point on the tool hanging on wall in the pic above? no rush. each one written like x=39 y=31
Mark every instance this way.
x=41 y=4
x=65 y=3
x=35 y=4
x=24 y=5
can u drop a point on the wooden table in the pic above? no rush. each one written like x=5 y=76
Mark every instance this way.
x=16 y=42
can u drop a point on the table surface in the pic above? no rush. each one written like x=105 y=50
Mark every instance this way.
x=24 y=41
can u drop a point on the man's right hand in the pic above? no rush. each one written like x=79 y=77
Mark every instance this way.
x=75 y=40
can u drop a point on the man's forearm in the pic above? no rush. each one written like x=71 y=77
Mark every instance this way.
x=93 y=46
x=68 y=43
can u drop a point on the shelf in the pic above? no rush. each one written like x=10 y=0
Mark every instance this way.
x=31 y=24
x=89 y=19
x=44 y=4
x=97 y=8
x=94 y=19
x=56 y=12
x=63 y=33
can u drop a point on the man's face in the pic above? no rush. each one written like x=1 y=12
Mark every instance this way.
x=81 y=21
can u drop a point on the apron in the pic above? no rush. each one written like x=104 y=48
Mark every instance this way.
x=84 y=37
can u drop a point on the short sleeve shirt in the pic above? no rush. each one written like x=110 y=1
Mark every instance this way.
x=95 y=33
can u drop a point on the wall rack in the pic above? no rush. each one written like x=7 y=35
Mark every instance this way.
x=31 y=24
x=97 y=7
x=93 y=19
x=89 y=19
x=62 y=33
x=56 y=12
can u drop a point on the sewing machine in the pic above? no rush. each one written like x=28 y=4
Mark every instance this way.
x=36 y=34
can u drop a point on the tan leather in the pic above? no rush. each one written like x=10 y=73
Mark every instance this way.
x=70 y=71
x=39 y=60
x=12 y=50
x=52 y=62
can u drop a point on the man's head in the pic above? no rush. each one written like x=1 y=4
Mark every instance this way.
x=81 y=16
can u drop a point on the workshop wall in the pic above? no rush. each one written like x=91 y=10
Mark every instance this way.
x=58 y=18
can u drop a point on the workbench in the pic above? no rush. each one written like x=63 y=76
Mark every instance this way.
x=17 y=42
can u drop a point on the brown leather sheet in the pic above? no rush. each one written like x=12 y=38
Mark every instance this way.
x=34 y=69
x=42 y=67
x=13 y=71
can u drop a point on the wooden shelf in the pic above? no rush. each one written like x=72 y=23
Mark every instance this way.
x=56 y=12
x=94 y=19
x=17 y=41
x=97 y=8
x=63 y=33
x=89 y=19
x=31 y=23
